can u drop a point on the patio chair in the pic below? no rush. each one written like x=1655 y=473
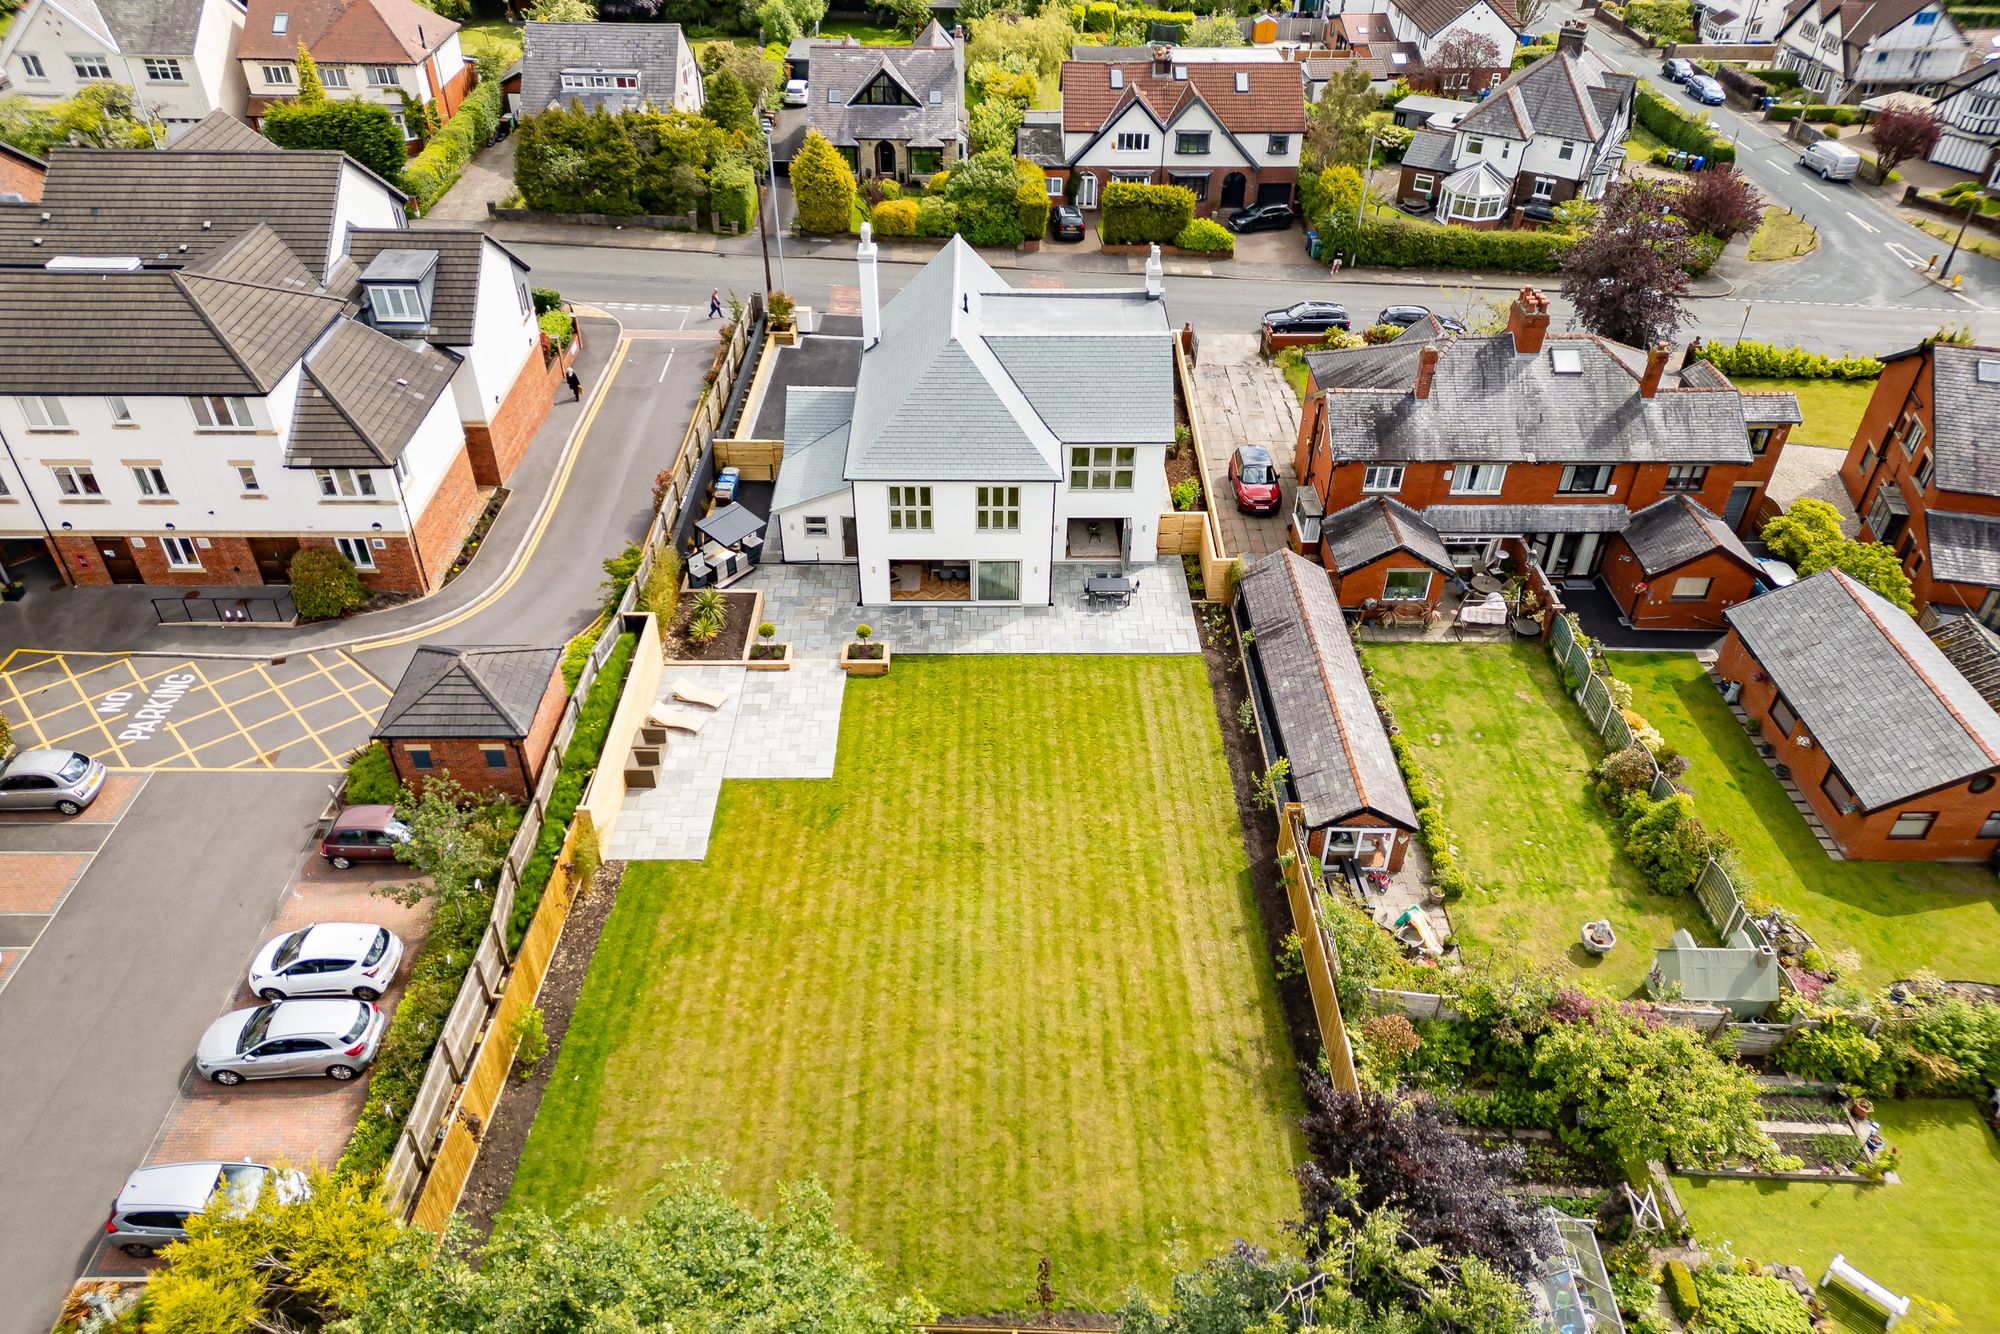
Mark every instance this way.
x=1409 y=614
x=679 y=720
x=688 y=692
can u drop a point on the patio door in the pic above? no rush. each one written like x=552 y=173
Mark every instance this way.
x=1086 y=190
x=997 y=581
x=1584 y=563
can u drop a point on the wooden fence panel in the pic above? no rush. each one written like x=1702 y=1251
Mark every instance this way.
x=1180 y=534
x=756 y=460
x=1318 y=959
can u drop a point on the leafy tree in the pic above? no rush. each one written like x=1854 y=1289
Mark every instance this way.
x=1663 y=20
x=1627 y=275
x=1873 y=565
x=365 y=131
x=1333 y=202
x=1042 y=41
x=563 y=11
x=910 y=15
x=310 y=88
x=1902 y=133
x=1720 y=202
x=1337 y=124
x=757 y=70
x=727 y=103
x=1215 y=30
x=675 y=151
x=1462 y=56
x=822 y=186
x=569 y=160
x=103 y=115
x=1808 y=525
x=693 y=1260
x=451 y=842
x=277 y=1265
x=1375 y=1151
x=994 y=123
x=1011 y=76
x=983 y=189
x=1243 y=1289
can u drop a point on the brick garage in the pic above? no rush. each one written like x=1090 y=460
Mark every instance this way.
x=487 y=716
x=1678 y=567
x=1894 y=749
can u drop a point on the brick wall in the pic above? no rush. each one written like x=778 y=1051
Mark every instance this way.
x=1217 y=177
x=1730 y=582
x=442 y=528
x=548 y=717
x=226 y=561
x=1864 y=835
x=496 y=447
x=466 y=762
x=1356 y=586
x=19 y=178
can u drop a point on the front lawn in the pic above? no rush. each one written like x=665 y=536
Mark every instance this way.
x=1933 y=1235
x=1511 y=756
x=1899 y=916
x=500 y=37
x=1832 y=408
x=1001 y=984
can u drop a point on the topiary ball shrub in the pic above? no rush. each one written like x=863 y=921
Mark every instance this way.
x=1206 y=236
x=324 y=584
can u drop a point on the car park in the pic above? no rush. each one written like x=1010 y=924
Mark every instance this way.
x=336 y=1039
x=795 y=93
x=1254 y=479
x=1260 y=218
x=1066 y=222
x=364 y=834
x=1307 y=317
x=1678 y=70
x=152 y=1209
x=357 y=959
x=1706 y=91
x=50 y=780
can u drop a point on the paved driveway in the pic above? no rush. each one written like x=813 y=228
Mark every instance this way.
x=1246 y=403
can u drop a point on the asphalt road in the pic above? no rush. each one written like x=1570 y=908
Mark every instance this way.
x=100 y=1022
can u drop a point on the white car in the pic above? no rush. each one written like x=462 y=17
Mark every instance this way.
x=795 y=92
x=357 y=959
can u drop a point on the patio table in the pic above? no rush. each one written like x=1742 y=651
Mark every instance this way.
x=1109 y=587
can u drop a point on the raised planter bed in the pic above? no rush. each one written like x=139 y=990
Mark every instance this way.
x=854 y=665
x=732 y=645
x=769 y=658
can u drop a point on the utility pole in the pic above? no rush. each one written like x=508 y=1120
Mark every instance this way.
x=764 y=230
x=1972 y=204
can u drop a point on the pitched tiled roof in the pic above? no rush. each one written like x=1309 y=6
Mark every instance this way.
x=469 y=693
x=362 y=398
x=144 y=27
x=1434 y=16
x=1130 y=398
x=1561 y=95
x=1669 y=533
x=1372 y=528
x=1512 y=520
x=1489 y=404
x=1274 y=104
x=1324 y=716
x=1965 y=548
x=461 y=252
x=1430 y=150
x=1974 y=650
x=653 y=49
x=1885 y=704
x=1965 y=386
x=219 y=131
x=817 y=418
x=918 y=70
x=346 y=32
x=1768 y=408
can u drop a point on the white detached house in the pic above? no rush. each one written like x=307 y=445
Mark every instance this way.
x=989 y=434
x=1847 y=50
x=178 y=56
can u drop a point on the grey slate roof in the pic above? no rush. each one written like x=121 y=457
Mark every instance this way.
x=470 y=693
x=219 y=131
x=460 y=253
x=920 y=70
x=1509 y=520
x=1964 y=413
x=547 y=49
x=1325 y=718
x=1372 y=528
x=1488 y=404
x=1965 y=548
x=1430 y=150
x=1561 y=95
x=1768 y=408
x=147 y=27
x=1130 y=393
x=816 y=425
x=362 y=398
x=1040 y=139
x=1885 y=704
x=1974 y=650
x=1669 y=533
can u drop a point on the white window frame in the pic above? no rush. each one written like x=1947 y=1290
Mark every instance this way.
x=1475 y=143
x=383 y=76
x=181 y=552
x=91 y=68
x=357 y=550
x=31 y=66
x=1133 y=141
x=345 y=483
x=909 y=509
x=1055 y=187
x=1928 y=818
x=1279 y=145
x=163 y=69
x=1469 y=479
x=1545 y=188
x=1691 y=588
x=333 y=76
x=1425 y=596
x=280 y=76
x=77 y=481
x=246 y=480
x=999 y=509
x=1567 y=151
x=152 y=481
x=1381 y=479
x=1102 y=467
x=1423 y=183
x=44 y=412
x=396 y=303
x=221 y=412
x=1601 y=473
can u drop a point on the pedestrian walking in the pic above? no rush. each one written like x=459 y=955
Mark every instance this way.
x=1339 y=258
x=715 y=303
x=575 y=385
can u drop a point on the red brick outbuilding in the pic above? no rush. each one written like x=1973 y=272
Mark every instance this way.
x=486 y=715
x=1677 y=566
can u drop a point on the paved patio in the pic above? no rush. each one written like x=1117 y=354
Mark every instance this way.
x=815 y=611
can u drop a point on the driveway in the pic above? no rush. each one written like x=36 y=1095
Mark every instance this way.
x=1246 y=403
x=488 y=179
x=1813 y=470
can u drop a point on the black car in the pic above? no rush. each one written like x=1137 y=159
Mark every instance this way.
x=1678 y=70
x=1066 y=222
x=1260 y=218
x=1405 y=316
x=1307 y=317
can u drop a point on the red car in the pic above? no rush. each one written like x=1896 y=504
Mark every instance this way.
x=364 y=834
x=1255 y=480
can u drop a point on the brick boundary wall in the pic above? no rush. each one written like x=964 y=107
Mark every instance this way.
x=496 y=447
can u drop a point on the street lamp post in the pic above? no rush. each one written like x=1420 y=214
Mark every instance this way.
x=1972 y=205
x=771 y=175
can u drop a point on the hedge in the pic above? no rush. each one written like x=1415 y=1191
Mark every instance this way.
x=895 y=217
x=732 y=194
x=371 y=778
x=1206 y=236
x=1772 y=75
x=1677 y=129
x=1772 y=361
x=1743 y=81
x=1138 y=214
x=579 y=760
x=1031 y=198
x=365 y=131
x=1396 y=244
x=436 y=169
x=1680 y=1290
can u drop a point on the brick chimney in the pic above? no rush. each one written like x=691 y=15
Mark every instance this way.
x=1427 y=364
x=1528 y=321
x=1656 y=362
x=1572 y=36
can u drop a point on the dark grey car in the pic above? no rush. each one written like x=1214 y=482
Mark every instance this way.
x=41 y=780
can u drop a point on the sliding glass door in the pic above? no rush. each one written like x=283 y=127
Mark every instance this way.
x=998 y=581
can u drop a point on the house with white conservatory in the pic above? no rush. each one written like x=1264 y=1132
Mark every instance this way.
x=988 y=434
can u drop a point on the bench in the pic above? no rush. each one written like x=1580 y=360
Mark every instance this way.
x=1862 y=1286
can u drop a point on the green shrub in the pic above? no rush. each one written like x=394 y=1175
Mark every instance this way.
x=1031 y=198
x=1139 y=214
x=986 y=190
x=371 y=777
x=1769 y=360
x=324 y=584
x=531 y=1041
x=822 y=187
x=1206 y=236
x=560 y=326
x=662 y=592
x=1678 y=129
x=1773 y=76
x=936 y=217
x=1393 y=243
x=1837 y=115
x=1099 y=16
x=436 y=169
x=619 y=571
x=546 y=300
x=1681 y=1293
x=895 y=217
x=1666 y=842
x=1186 y=494
x=575 y=654
x=1784 y=111
x=732 y=194
x=1745 y=1303
x=1834 y=1052
x=365 y=131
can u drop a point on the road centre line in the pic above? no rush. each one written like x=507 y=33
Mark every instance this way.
x=1828 y=198
x=1863 y=223
x=663 y=369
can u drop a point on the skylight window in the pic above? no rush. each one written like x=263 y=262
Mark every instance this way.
x=937 y=97
x=1566 y=361
x=1242 y=81
x=833 y=97
x=1989 y=371
x=280 y=22
x=1180 y=73
x=1400 y=57
x=1117 y=78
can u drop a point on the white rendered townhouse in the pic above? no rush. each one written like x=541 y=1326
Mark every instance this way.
x=178 y=57
x=1848 y=50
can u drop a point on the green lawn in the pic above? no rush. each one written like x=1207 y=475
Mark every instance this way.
x=1898 y=915
x=495 y=35
x=1933 y=1235
x=1782 y=235
x=1001 y=983
x=1832 y=408
x=1511 y=757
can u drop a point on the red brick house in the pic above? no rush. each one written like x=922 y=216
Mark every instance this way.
x=1556 y=439
x=487 y=716
x=379 y=51
x=1677 y=566
x=1895 y=751
x=1924 y=478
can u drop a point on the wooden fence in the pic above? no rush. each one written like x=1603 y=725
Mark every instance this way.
x=755 y=460
x=1188 y=533
x=1321 y=960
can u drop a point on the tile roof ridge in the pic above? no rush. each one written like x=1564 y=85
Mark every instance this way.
x=470 y=671
x=1850 y=586
x=180 y=282
x=1326 y=683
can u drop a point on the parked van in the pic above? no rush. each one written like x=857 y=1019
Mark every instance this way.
x=1833 y=161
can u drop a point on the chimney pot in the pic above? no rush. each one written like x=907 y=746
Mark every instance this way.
x=1656 y=362
x=1528 y=322
x=1572 y=37
x=1427 y=364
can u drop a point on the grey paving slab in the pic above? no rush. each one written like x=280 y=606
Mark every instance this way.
x=1247 y=403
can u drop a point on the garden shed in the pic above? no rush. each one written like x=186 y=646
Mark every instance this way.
x=486 y=715
x=1740 y=977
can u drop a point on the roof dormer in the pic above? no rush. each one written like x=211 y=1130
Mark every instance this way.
x=398 y=288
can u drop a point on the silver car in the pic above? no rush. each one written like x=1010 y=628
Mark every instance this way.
x=40 y=780
x=355 y=959
x=156 y=1202
x=334 y=1038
